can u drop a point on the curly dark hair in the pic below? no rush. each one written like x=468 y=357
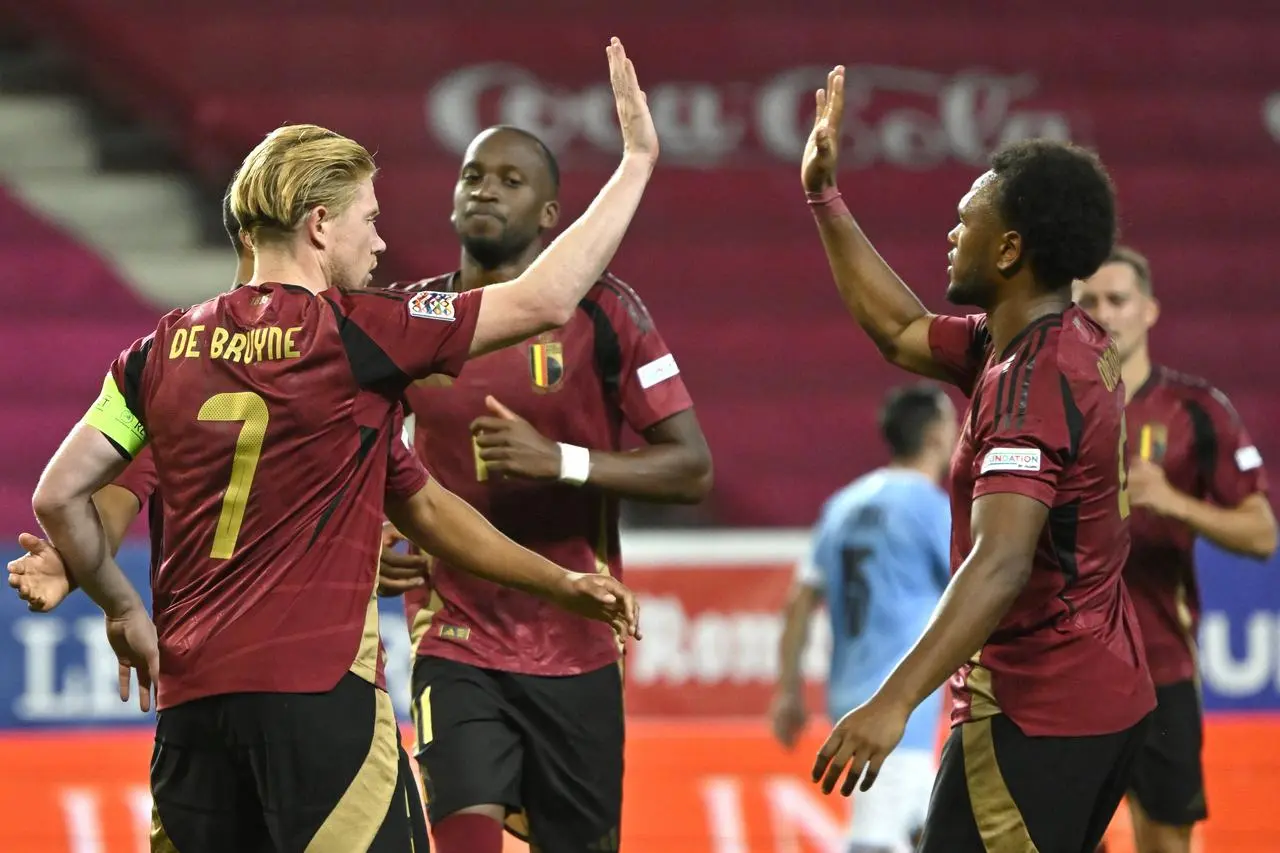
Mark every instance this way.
x=1060 y=198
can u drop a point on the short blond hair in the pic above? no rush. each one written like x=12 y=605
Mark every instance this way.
x=297 y=167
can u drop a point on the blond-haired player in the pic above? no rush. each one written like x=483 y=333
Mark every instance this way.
x=269 y=411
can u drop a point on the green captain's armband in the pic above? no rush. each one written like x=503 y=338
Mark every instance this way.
x=110 y=415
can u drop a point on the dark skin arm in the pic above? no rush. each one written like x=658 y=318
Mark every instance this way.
x=674 y=466
x=883 y=305
x=1005 y=528
x=441 y=523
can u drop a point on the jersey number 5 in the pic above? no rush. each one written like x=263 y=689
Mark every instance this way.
x=251 y=411
x=1124 y=470
x=856 y=590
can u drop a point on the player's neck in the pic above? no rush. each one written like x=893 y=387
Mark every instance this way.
x=1020 y=310
x=281 y=266
x=473 y=274
x=1135 y=371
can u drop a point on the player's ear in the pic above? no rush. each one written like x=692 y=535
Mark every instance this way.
x=1010 y=252
x=1151 y=311
x=550 y=215
x=318 y=224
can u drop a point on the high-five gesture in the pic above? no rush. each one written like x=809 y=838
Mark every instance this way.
x=638 y=134
x=818 y=169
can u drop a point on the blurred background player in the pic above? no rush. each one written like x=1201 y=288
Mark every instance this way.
x=519 y=707
x=881 y=559
x=1193 y=471
x=293 y=604
x=1035 y=630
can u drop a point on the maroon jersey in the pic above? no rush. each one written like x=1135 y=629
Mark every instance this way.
x=578 y=385
x=1046 y=420
x=271 y=413
x=405 y=478
x=1191 y=430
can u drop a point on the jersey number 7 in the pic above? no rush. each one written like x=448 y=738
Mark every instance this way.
x=251 y=410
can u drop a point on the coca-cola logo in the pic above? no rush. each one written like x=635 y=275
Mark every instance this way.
x=903 y=117
x=1271 y=115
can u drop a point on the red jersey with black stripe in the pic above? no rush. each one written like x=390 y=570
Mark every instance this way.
x=1046 y=420
x=1192 y=431
x=606 y=369
x=271 y=413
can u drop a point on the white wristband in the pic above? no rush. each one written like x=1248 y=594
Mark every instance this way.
x=575 y=464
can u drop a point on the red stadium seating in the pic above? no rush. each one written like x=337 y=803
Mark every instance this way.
x=723 y=250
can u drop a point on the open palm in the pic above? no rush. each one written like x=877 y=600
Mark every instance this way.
x=818 y=168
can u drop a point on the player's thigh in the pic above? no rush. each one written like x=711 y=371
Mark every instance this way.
x=950 y=826
x=1168 y=776
x=894 y=809
x=327 y=765
x=574 y=736
x=201 y=799
x=1058 y=793
x=468 y=750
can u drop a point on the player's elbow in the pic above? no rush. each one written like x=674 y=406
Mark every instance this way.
x=1263 y=546
x=50 y=502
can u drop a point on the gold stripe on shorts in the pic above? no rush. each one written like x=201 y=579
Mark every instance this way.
x=999 y=820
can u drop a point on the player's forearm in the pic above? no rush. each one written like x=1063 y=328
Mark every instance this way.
x=75 y=530
x=658 y=473
x=556 y=282
x=872 y=292
x=1249 y=529
x=795 y=634
x=450 y=529
x=976 y=599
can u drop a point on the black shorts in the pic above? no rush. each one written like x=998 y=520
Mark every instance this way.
x=1168 y=778
x=285 y=773
x=999 y=789
x=549 y=749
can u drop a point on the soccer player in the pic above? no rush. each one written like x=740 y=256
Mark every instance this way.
x=40 y=577
x=1193 y=472
x=518 y=706
x=881 y=558
x=1051 y=691
x=269 y=410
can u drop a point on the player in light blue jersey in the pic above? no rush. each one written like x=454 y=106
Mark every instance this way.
x=880 y=560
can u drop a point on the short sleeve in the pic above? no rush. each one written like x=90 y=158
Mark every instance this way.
x=118 y=412
x=650 y=388
x=140 y=477
x=808 y=574
x=959 y=347
x=398 y=337
x=1234 y=469
x=406 y=475
x=1027 y=446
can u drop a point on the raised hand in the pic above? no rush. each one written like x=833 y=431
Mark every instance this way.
x=818 y=168
x=39 y=575
x=639 y=136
